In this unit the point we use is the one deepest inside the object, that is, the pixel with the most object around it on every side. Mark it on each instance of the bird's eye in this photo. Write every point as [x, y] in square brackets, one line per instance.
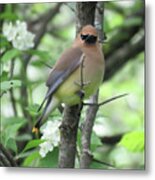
[83, 37]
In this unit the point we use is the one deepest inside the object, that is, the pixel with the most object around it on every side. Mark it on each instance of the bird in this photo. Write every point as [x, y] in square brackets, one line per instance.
[83, 61]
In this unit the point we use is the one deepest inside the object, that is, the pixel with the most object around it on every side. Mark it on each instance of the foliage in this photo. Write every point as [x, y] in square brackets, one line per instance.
[23, 74]
[133, 141]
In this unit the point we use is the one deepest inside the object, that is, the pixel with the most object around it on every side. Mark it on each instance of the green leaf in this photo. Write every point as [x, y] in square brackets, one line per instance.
[24, 137]
[3, 42]
[30, 161]
[51, 159]
[8, 16]
[96, 165]
[24, 155]
[11, 144]
[10, 54]
[32, 109]
[9, 136]
[6, 85]
[6, 122]
[4, 76]
[32, 144]
[133, 22]
[95, 141]
[44, 55]
[133, 141]
[9, 131]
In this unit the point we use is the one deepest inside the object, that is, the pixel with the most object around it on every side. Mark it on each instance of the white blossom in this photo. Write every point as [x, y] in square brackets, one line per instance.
[18, 34]
[51, 135]
[45, 147]
[21, 26]
[9, 31]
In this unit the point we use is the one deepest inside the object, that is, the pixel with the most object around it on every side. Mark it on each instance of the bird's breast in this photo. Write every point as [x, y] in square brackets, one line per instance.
[92, 75]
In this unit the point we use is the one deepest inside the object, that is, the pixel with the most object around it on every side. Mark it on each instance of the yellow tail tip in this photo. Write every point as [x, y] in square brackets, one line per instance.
[35, 130]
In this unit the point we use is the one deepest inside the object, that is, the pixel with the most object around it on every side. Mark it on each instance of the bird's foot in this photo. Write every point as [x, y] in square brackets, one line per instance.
[81, 93]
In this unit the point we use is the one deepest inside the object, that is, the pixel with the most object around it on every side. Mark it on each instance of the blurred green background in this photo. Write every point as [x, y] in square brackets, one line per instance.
[119, 130]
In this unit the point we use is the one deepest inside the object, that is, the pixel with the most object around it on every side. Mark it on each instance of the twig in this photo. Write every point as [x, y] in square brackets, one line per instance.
[11, 91]
[112, 99]
[1, 164]
[49, 16]
[86, 156]
[106, 101]
[8, 156]
[72, 9]
[102, 162]
[4, 161]
[13, 101]
[2, 93]
[47, 65]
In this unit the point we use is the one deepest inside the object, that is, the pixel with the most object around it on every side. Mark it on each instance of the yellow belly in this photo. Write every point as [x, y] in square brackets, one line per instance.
[68, 92]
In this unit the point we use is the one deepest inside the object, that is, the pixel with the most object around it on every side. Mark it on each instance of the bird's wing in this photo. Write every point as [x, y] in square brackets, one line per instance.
[69, 61]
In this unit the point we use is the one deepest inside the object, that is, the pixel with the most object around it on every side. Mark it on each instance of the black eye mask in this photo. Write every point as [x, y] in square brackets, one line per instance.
[89, 39]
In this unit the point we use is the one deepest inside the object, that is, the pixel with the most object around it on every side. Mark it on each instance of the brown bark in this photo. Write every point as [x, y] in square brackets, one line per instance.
[67, 152]
[68, 130]
[121, 56]
[86, 156]
[85, 14]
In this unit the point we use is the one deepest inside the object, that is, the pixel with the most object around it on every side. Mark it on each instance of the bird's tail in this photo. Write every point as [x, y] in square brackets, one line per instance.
[51, 104]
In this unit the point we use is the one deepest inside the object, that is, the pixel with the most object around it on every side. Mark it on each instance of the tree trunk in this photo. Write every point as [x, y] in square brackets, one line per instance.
[67, 152]
[86, 156]
[85, 14]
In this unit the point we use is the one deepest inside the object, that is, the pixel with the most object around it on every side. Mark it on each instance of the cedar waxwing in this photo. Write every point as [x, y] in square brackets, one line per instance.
[65, 78]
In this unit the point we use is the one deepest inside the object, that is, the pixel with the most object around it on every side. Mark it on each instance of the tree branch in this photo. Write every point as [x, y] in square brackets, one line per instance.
[68, 130]
[69, 127]
[11, 91]
[2, 93]
[55, 30]
[85, 14]
[120, 49]
[121, 56]
[70, 7]
[103, 163]
[125, 33]
[4, 162]
[47, 18]
[42, 30]
[6, 157]
[106, 101]
[86, 156]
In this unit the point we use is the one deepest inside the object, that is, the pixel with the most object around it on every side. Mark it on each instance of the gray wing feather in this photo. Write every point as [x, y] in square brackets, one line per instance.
[58, 77]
